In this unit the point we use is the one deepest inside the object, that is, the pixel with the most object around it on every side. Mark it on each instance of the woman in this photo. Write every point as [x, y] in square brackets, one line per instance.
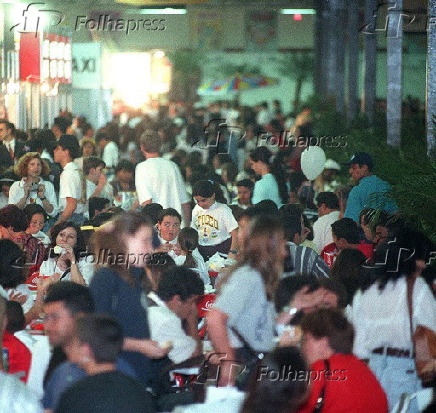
[12, 281]
[214, 221]
[242, 320]
[381, 319]
[32, 188]
[14, 223]
[66, 259]
[36, 217]
[272, 184]
[118, 288]
[88, 149]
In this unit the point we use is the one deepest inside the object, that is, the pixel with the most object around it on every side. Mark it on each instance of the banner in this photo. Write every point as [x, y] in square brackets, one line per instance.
[206, 29]
[261, 31]
[86, 65]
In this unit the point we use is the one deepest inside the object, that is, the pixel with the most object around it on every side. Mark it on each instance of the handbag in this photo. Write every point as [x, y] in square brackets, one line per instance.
[424, 343]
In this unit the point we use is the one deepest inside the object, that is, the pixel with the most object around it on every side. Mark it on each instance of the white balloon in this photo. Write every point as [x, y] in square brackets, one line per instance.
[312, 162]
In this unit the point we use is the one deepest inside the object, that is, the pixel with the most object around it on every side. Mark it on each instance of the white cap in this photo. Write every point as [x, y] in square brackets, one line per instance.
[331, 164]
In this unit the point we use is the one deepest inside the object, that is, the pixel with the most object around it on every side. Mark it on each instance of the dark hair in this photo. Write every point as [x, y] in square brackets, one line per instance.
[264, 155]
[291, 224]
[62, 123]
[100, 136]
[92, 162]
[289, 286]
[179, 281]
[204, 188]
[277, 386]
[330, 323]
[188, 241]
[104, 336]
[80, 242]
[12, 216]
[171, 212]
[248, 183]
[101, 218]
[349, 270]
[75, 297]
[12, 261]
[96, 203]
[232, 171]
[125, 165]
[15, 317]
[32, 209]
[337, 288]
[346, 228]
[152, 211]
[329, 199]
[390, 262]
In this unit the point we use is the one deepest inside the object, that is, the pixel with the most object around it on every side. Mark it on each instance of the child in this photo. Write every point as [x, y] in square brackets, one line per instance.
[189, 256]
[214, 221]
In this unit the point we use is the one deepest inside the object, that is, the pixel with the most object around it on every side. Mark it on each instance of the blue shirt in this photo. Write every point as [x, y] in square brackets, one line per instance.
[267, 188]
[361, 197]
[65, 375]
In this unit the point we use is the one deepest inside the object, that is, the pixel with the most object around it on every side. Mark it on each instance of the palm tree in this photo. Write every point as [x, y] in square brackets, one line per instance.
[298, 67]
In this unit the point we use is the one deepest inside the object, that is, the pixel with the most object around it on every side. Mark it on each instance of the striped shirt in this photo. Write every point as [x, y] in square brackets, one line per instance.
[304, 260]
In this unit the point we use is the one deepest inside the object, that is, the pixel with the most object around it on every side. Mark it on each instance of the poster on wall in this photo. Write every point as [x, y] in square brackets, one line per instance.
[261, 31]
[206, 29]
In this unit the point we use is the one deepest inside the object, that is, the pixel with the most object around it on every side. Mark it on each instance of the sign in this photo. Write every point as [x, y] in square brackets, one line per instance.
[29, 57]
[56, 58]
[86, 65]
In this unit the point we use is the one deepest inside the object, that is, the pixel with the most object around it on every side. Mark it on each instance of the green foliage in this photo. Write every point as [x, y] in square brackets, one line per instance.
[186, 61]
[227, 69]
[296, 66]
[411, 173]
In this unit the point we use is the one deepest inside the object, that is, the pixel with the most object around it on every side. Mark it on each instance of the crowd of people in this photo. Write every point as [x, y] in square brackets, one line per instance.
[110, 239]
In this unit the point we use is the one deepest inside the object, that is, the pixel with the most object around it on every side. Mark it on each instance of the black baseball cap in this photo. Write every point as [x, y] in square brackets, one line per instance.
[361, 158]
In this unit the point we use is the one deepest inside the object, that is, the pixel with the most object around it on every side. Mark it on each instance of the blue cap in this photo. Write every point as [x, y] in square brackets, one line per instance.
[361, 158]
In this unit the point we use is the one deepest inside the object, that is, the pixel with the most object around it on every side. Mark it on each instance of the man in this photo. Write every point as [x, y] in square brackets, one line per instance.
[345, 235]
[109, 150]
[245, 191]
[97, 344]
[345, 383]
[14, 148]
[328, 212]
[60, 126]
[72, 197]
[159, 180]
[172, 305]
[65, 302]
[96, 181]
[301, 259]
[364, 194]
[15, 397]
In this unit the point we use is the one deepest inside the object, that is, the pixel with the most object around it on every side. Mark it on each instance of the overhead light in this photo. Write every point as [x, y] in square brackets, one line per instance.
[159, 54]
[298, 11]
[167, 10]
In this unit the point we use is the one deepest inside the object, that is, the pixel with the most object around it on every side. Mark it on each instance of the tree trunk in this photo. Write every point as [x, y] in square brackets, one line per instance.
[370, 61]
[353, 58]
[321, 30]
[297, 94]
[339, 26]
[394, 73]
[431, 79]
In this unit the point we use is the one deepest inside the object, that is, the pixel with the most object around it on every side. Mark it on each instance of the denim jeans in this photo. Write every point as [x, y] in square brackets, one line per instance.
[396, 375]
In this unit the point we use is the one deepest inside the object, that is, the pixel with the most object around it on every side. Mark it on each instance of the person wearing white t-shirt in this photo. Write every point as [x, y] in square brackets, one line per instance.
[110, 152]
[214, 221]
[72, 199]
[96, 181]
[328, 213]
[159, 180]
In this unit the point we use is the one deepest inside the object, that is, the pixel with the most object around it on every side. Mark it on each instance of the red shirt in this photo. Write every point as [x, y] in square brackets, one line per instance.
[350, 387]
[19, 356]
[330, 252]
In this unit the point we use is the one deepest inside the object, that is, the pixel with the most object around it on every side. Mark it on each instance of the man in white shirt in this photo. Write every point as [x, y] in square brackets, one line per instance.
[175, 301]
[109, 150]
[159, 180]
[328, 213]
[72, 197]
